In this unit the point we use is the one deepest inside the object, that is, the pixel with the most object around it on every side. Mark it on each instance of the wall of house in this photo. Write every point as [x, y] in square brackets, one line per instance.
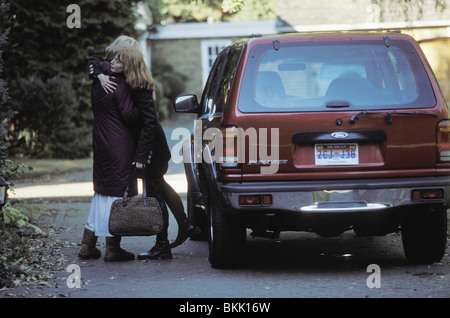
[313, 13]
[185, 56]
[437, 52]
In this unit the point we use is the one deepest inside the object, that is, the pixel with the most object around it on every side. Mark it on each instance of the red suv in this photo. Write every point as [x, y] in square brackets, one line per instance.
[321, 133]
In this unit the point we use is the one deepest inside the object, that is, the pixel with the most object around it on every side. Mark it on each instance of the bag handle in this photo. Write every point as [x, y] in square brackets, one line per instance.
[144, 186]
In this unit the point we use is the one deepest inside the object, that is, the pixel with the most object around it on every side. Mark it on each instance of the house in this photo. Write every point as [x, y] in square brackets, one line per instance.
[191, 48]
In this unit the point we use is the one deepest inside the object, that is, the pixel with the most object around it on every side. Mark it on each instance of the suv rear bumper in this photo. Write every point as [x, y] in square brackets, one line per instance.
[337, 196]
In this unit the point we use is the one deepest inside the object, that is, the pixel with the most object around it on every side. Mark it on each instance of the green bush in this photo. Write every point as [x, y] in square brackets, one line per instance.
[15, 233]
[162, 103]
[46, 124]
[169, 84]
[12, 249]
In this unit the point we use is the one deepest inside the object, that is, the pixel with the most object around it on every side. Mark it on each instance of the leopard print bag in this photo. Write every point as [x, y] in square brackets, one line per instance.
[136, 216]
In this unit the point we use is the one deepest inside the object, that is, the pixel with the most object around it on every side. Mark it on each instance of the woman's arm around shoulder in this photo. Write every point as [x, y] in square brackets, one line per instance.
[101, 69]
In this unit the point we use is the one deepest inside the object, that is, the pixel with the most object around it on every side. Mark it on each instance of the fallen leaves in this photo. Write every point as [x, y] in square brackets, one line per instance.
[45, 258]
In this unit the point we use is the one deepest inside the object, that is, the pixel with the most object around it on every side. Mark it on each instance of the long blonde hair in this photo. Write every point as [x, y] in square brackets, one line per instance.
[121, 41]
[136, 72]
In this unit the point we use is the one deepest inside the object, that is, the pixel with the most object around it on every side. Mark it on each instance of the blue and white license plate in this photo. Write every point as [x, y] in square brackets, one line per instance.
[336, 154]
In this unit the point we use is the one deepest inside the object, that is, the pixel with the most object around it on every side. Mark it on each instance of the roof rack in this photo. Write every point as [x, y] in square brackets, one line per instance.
[253, 35]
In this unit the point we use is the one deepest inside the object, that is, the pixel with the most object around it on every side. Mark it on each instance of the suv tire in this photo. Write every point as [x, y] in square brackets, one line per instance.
[227, 237]
[424, 235]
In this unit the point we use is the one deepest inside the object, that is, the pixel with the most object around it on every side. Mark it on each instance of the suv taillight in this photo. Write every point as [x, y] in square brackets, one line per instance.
[443, 141]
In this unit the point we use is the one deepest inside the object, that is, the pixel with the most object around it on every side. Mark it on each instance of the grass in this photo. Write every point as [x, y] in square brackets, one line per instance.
[46, 167]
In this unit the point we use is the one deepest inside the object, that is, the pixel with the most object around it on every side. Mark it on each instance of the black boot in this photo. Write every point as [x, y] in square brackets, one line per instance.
[161, 250]
[185, 229]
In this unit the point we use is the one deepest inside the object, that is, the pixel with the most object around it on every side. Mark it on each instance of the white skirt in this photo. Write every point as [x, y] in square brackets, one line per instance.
[98, 217]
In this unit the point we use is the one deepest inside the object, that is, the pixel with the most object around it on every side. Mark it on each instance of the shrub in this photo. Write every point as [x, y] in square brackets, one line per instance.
[15, 233]
[169, 84]
[45, 124]
[162, 103]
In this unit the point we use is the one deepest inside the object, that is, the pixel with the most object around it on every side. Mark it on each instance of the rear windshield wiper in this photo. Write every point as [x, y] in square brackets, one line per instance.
[337, 104]
[355, 117]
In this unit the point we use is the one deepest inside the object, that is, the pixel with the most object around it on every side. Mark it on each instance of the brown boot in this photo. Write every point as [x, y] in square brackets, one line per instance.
[113, 251]
[88, 249]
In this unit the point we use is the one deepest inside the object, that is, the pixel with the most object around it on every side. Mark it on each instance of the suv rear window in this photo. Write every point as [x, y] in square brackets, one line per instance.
[319, 76]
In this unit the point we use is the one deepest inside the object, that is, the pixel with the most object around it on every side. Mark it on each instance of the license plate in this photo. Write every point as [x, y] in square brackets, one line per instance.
[336, 154]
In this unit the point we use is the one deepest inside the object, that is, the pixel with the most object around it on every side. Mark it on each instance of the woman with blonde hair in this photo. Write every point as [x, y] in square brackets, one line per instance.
[122, 41]
[107, 81]
[152, 151]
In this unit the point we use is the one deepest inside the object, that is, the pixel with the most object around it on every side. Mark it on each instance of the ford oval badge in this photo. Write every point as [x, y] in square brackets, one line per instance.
[339, 135]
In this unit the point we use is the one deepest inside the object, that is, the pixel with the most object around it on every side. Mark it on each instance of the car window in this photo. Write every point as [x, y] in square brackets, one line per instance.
[209, 92]
[218, 86]
[227, 79]
[310, 76]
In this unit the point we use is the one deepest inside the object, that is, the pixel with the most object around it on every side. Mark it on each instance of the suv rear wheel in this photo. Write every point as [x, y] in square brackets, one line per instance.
[227, 237]
[424, 235]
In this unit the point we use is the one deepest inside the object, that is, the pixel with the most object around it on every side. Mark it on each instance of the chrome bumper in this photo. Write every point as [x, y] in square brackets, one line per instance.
[337, 196]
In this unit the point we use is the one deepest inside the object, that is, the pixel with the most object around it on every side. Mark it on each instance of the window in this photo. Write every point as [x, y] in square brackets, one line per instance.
[210, 49]
[208, 98]
[227, 79]
[310, 76]
[217, 89]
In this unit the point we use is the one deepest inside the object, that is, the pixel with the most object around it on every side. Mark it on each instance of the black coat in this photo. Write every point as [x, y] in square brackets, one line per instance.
[152, 137]
[115, 128]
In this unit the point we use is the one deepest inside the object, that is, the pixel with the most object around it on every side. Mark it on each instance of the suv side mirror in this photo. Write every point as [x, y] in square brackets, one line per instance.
[186, 104]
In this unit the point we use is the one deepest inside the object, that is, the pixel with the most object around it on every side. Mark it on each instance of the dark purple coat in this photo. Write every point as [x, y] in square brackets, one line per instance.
[114, 137]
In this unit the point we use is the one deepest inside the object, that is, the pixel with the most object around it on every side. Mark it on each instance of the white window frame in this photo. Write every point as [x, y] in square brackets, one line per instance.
[209, 51]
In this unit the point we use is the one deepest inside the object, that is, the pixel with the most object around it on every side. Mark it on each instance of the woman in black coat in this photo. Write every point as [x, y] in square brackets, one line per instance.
[152, 150]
